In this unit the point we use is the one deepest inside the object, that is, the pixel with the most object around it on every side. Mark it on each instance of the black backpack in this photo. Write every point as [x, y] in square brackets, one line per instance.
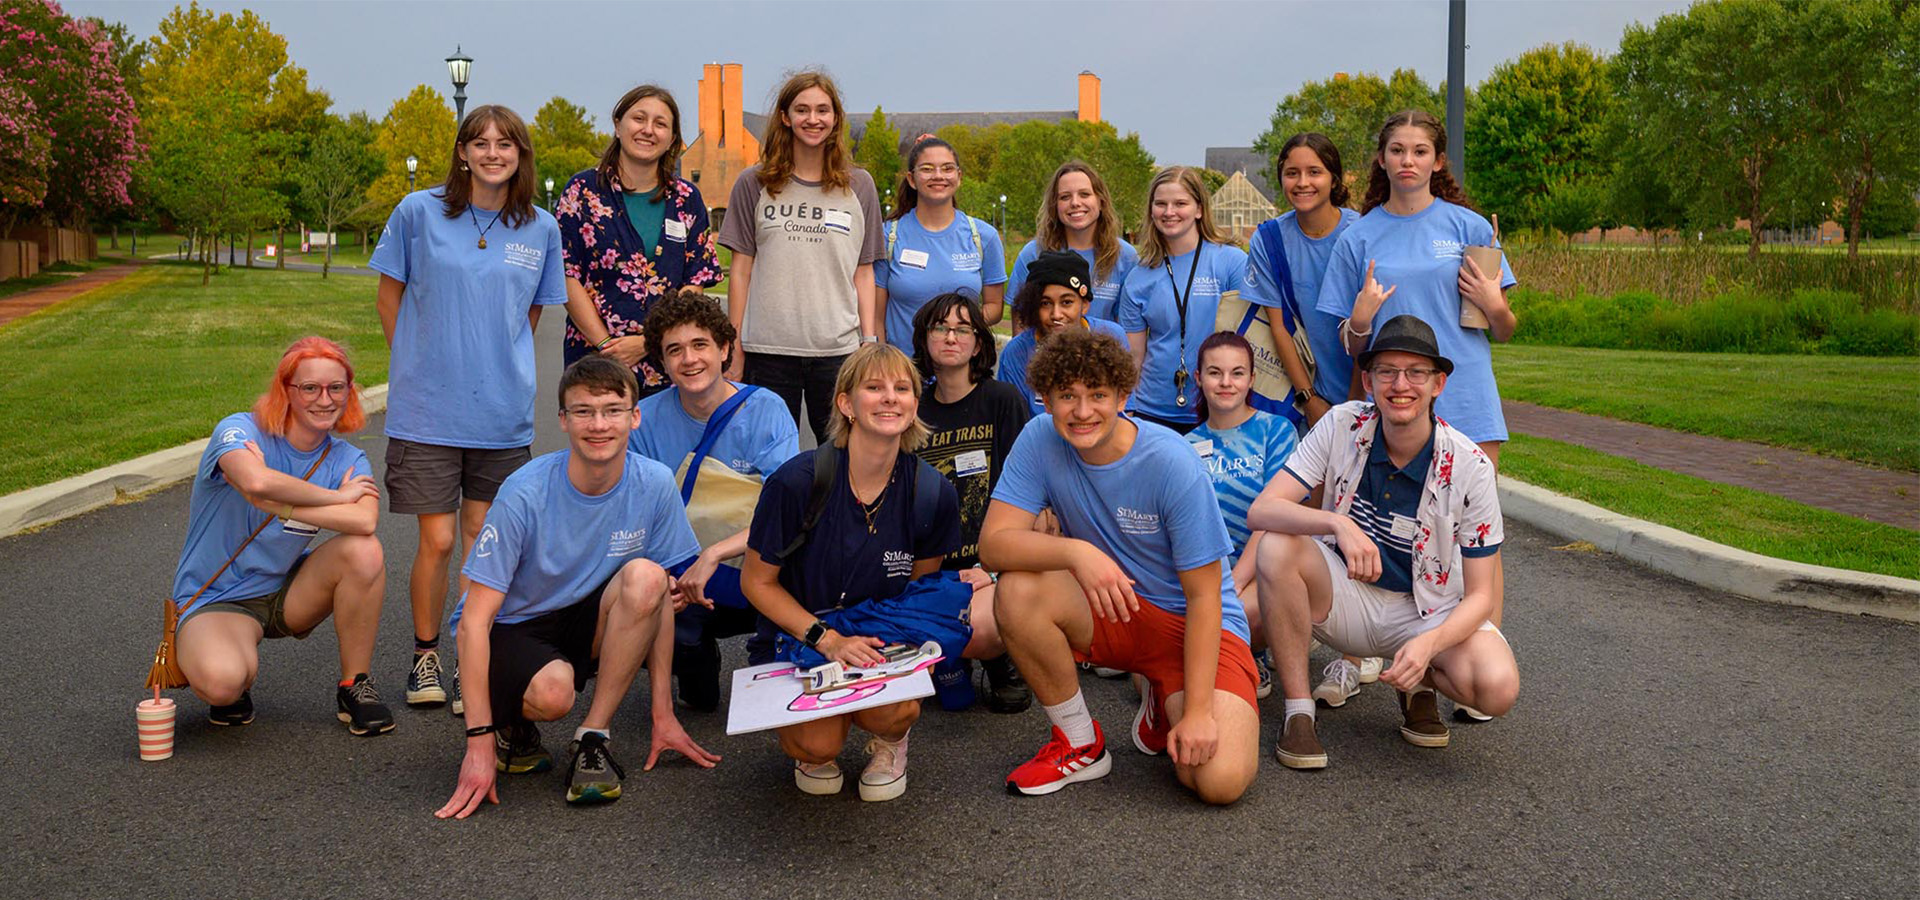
[826, 468]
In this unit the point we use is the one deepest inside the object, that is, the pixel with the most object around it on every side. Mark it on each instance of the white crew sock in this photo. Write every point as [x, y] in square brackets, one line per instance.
[581, 732]
[1294, 707]
[1073, 720]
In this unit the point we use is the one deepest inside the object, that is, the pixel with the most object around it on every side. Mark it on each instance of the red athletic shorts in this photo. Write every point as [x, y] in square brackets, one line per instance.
[1153, 645]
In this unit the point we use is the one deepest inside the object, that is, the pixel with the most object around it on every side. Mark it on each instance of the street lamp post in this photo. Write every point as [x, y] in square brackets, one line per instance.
[413, 165]
[549, 195]
[1003, 213]
[458, 65]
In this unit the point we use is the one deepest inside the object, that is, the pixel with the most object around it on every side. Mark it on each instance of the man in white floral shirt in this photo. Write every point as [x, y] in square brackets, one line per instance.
[1403, 564]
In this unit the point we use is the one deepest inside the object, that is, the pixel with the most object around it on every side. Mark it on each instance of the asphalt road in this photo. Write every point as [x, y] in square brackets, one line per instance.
[1669, 742]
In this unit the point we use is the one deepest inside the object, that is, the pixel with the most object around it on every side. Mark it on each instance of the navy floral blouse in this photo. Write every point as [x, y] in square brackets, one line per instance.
[603, 252]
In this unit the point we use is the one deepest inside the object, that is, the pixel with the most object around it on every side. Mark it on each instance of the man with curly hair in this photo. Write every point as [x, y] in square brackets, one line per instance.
[1144, 526]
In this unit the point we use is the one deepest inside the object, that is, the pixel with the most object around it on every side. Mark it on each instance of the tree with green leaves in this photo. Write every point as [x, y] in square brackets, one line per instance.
[879, 151]
[421, 125]
[1540, 123]
[1017, 161]
[564, 142]
[1570, 205]
[1860, 66]
[203, 168]
[1348, 110]
[339, 165]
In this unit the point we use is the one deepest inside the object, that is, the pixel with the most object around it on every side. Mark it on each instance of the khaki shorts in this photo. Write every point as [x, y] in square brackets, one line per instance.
[270, 610]
[423, 479]
[1369, 621]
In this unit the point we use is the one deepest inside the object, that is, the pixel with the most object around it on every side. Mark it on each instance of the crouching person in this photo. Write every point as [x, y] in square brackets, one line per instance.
[1410, 571]
[1142, 585]
[571, 578]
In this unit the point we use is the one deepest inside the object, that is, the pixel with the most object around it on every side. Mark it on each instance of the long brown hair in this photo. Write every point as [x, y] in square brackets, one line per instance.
[1323, 147]
[457, 192]
[776, 142]
[1052, 233]
[905, 195]
[1153, 250]
[1379, 186]
[669, 163]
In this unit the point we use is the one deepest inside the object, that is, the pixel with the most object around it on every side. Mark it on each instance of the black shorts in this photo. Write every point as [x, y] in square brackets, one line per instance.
[518, 651]
[423, 479]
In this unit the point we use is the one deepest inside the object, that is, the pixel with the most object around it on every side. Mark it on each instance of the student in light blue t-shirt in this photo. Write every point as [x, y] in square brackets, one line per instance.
[268, 481]
[1170, 300]
[1077, 214]
[753, 436]
[932, 247]
[1287, 258]
[1053, 299]
[1137, 580]
[571, 578]
[465, 268]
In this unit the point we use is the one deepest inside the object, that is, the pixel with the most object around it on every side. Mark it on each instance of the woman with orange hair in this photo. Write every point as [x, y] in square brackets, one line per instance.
[269, 480]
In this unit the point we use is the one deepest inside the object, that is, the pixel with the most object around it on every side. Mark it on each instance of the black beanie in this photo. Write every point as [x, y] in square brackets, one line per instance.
[1064, 268]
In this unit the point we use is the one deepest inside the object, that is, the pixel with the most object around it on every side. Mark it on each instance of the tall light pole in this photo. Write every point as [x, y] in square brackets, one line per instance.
[1457, 89]
[549, 195]
[1003, 213]
[458, 65]
[413, 165]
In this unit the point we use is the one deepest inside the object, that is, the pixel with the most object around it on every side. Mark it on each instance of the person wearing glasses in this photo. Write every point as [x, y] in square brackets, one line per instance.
[572, 577]
[1400, 558]
[932, 247]
[280, 473]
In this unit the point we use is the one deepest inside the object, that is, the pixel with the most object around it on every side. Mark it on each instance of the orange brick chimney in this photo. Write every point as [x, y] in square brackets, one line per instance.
[724, 147]
[1089, 97]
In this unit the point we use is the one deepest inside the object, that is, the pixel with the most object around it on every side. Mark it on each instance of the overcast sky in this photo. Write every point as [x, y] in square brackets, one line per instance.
[1185, 74]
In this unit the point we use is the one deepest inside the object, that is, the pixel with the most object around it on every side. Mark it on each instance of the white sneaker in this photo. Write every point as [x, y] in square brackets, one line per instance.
[1370, 668]
[1465, 713]
[1338, 681]
[1104, 672]
[819, 780]
[886, 774]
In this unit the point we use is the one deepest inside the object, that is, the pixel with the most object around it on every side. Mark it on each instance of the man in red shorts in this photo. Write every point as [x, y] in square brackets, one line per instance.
[1142, 584]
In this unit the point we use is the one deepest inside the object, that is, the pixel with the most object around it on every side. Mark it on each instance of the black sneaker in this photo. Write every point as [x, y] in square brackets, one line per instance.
[1006, 691]
[516, 749]
[239, 712]
[594, 776]
[361, 709]
[697, 668]
[455, 703]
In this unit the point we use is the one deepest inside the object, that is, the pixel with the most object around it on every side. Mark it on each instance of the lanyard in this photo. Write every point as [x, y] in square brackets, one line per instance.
[1180, 303]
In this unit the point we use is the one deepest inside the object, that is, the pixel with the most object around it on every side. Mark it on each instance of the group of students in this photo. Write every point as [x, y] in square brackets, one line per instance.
[1031, 508]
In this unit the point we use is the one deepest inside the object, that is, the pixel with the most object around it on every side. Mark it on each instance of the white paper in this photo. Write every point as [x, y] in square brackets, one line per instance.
[769, 696]
[914, 258]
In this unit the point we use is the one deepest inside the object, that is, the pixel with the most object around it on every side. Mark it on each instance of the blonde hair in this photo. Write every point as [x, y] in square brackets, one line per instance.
[1052, 233]
[1153, 249]
[862, 364]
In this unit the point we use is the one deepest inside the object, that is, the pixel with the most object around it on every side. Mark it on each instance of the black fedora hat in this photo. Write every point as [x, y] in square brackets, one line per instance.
[1407, 334]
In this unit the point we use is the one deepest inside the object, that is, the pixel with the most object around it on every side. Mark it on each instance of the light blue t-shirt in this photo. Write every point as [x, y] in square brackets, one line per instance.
[1018, 352]
[756, 441]
[1419, 256]
[1307, 261]
[1106, 291]
[462, 370]
[1241, 460]
[546, 545]
[1147, 304]
[219, 518]
[925, 264]
[1152, 511]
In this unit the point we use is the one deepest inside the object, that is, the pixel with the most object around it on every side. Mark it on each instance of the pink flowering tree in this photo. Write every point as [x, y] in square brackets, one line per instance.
[25, 156]
[65, 69]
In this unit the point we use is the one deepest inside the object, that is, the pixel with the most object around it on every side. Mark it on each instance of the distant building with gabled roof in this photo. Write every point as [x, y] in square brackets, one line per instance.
[1239, 208]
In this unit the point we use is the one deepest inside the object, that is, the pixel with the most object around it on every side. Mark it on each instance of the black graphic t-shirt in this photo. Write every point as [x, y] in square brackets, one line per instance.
[971, 438]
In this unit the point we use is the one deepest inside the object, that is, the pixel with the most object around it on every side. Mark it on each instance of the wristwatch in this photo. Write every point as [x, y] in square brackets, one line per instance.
[869, 339]
[814, 633]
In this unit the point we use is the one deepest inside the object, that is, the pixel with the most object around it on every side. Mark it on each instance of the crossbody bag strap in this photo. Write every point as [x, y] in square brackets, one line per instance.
[256, 533]
[716, 423]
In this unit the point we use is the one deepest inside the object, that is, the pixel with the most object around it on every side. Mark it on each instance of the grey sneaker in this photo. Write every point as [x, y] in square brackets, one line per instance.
[1263, 666]
[594, 776]
[1338, 681]
[516, 749]
[423, 682]
[886, 774]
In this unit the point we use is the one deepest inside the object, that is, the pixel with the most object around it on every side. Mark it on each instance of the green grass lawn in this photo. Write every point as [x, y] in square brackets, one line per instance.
[154, 359]
[55, 274]
[1858, 408]
[1735, 516]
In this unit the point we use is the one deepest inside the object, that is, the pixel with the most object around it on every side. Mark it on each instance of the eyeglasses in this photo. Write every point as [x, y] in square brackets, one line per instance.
[588, 413]
[930, 171]
[310, 390]
[1415, 377]
[949, 331]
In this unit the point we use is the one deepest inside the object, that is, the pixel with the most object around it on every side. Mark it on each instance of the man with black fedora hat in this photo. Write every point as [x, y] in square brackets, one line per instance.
[1398, 561]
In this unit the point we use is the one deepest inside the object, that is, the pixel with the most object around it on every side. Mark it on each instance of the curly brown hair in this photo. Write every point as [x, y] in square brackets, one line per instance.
[1379, 187]
[1094, 360]
[688, 306]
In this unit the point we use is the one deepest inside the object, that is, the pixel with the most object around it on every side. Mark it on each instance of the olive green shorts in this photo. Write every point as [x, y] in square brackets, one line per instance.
[269, 610]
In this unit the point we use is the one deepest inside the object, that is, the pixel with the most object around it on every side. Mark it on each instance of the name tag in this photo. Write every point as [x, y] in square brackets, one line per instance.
[298, 528]
[1404, 528]
[972, 462]
[916, 259]
[839, 219]
[1204, 448]
[674, 229]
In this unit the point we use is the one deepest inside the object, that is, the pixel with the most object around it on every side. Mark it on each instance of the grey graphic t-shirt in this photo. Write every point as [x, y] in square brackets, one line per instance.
[806, 243]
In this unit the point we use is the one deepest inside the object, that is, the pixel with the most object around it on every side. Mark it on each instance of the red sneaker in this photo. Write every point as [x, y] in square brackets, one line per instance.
[1059, 764]
[1150, 724]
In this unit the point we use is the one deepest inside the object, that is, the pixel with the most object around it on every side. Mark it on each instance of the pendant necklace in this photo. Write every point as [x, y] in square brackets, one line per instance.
[869, 511]
[483, 231]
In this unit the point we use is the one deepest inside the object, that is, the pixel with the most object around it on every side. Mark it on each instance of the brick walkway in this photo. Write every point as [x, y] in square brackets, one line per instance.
[35, 299]
[1879, 495]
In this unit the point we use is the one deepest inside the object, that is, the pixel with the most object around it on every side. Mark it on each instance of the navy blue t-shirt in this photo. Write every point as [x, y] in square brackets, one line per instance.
[1386, 505]
[842, 563]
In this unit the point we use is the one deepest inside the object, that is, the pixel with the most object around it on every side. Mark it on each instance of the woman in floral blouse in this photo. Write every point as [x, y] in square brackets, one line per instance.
[632, 233]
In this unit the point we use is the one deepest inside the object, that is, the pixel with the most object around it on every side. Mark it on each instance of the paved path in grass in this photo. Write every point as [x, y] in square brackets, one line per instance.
[33, 300]
[1855, 489]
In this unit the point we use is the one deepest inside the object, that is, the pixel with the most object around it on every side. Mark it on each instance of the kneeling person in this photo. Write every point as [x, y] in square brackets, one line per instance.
[569, 579]
[1141, 507]
[1415, 520]
[269, 480]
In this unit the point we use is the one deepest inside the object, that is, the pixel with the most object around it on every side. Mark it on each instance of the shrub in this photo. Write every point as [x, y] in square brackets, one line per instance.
[1741, 321]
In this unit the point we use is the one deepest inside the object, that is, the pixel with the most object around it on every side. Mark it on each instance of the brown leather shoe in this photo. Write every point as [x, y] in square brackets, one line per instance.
[1299, 747]
[1423, 727]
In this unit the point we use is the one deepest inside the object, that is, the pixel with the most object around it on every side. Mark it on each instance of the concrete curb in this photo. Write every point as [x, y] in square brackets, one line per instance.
[67, 497]
[1709, 564]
